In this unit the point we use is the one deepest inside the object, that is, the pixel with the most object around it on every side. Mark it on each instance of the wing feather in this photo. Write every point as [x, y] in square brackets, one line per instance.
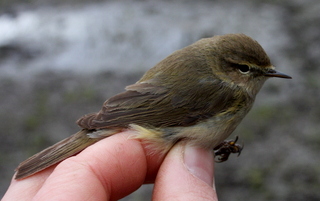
[158, 106]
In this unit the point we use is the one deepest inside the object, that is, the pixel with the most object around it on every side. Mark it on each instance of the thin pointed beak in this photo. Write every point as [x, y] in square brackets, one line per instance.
[274, 73]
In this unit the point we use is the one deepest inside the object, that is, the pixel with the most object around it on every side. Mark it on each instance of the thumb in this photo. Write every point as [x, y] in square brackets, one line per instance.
[186, 174]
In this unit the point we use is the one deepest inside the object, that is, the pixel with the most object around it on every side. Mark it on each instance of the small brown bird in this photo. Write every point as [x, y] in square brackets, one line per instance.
[199, 93]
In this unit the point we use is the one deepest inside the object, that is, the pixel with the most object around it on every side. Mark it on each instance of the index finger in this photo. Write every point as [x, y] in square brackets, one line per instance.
[108, 170]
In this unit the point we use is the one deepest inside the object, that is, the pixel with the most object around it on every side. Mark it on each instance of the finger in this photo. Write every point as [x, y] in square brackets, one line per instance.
[27, 188]
[186, 174]
[109, 170]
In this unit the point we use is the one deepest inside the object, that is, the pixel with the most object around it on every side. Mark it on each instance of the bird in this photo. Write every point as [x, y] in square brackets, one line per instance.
[198, 94]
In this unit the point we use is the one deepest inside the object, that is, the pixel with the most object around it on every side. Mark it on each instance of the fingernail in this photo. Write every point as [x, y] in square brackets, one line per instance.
[199, 162]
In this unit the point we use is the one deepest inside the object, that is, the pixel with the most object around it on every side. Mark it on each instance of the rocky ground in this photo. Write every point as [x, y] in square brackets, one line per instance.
[64, 59]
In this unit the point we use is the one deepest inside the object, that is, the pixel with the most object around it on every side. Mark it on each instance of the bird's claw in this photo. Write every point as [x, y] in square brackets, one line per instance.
[225, 148]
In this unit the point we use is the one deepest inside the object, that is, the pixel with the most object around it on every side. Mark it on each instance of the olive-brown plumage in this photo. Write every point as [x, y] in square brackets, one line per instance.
[199, 93]
[160, 93]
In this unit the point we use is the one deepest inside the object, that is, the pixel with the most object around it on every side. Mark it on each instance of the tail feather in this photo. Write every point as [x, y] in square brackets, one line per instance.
[54, 154]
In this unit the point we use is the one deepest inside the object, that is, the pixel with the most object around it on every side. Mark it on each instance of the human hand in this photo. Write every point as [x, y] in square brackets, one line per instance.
[117, 166]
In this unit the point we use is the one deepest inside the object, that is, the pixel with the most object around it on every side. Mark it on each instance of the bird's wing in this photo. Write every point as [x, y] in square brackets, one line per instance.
[148, 103]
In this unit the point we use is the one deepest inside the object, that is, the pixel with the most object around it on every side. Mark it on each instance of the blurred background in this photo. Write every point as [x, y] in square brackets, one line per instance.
[62, 59]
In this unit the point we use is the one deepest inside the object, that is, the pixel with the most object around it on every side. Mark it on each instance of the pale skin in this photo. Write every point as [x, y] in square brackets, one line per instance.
[123, 165]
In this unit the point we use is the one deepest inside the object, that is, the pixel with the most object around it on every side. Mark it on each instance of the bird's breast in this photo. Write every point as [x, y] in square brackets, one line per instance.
[210, 132]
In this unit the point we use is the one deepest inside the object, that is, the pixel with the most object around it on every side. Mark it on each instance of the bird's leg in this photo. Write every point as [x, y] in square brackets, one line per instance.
[225, 148]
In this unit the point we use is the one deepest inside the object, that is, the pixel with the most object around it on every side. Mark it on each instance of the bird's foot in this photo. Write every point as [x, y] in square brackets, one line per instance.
[225, 148]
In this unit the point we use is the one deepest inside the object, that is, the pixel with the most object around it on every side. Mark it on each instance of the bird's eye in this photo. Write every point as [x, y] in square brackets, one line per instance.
[244, 69]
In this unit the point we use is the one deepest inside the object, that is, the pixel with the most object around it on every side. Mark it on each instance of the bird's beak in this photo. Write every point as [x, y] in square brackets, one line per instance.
[274, 73]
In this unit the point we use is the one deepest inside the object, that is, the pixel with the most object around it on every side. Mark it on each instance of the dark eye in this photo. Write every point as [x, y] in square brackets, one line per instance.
[244, 69]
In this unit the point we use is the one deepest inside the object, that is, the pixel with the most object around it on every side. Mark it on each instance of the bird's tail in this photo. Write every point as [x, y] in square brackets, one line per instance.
[54, 154]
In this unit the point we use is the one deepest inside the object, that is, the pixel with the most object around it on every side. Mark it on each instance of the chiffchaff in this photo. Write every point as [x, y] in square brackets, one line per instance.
[199, 93]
